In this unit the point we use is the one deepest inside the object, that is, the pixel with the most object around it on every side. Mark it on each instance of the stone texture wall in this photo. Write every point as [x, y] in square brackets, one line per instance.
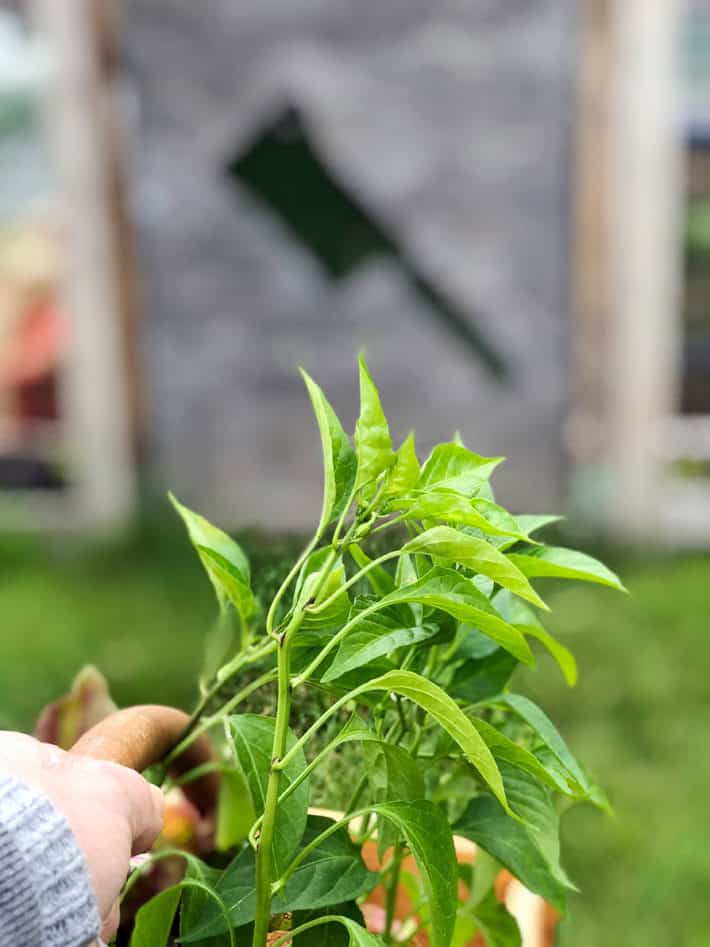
[453, 122]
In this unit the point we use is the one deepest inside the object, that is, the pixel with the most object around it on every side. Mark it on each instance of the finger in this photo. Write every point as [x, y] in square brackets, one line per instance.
[140, 803]
[139, 736]
[110, 923]
[135, 737]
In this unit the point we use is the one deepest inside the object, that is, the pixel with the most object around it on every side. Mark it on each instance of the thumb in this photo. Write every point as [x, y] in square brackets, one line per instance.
[140, 803]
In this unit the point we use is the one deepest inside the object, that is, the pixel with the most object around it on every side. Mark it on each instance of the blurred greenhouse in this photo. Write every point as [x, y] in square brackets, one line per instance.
[193, 279]
[505, 205]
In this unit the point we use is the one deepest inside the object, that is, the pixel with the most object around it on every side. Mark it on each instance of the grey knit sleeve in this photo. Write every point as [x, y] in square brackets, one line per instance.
[46, 898]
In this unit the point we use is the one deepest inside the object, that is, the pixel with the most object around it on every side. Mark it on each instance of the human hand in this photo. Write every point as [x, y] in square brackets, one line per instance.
[113, 812]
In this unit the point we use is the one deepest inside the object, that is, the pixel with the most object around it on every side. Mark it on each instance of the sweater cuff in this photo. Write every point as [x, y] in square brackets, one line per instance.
[46, 898]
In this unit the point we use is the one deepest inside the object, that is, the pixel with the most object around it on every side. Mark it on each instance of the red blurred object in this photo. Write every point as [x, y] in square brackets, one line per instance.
[37, 348]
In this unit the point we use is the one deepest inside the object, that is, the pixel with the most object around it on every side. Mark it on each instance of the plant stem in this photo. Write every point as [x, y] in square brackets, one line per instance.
[250, 656]
[431, 661]
[318, 840]
[264, 859]
[395, 521]
[192, 774]
[206, 723]
[303, 775]
[326, 715]
[287, 581]
[332, 643]
[210, 892]
[451, 650]
[357, 792]
[264, 853]
[151, 859]
[289, 935]
[402, 718]
[315, 609]
[307, 849]
[227, 673]
[343, 516]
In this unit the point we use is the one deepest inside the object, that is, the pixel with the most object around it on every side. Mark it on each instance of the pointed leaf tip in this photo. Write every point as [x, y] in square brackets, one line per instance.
[339, 460]
[373, 443]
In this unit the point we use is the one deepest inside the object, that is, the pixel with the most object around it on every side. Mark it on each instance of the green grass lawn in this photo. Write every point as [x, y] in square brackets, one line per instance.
[640, 719]
[640, 716]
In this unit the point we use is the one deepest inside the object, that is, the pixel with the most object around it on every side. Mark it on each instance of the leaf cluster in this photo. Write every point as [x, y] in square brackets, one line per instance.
[411, 652]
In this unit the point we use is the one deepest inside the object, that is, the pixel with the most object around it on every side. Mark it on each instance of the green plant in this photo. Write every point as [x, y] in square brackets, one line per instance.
[416, 645]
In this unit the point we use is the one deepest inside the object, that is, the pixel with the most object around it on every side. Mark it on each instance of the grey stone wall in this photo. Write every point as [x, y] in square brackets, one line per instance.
[452, 121]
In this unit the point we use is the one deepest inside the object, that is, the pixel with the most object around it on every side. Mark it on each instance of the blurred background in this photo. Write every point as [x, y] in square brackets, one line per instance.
[505, 204]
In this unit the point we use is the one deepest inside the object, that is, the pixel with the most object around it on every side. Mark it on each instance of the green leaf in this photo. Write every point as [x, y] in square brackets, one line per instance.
[480, 679]
[406, 573]
[235, 885]
[200, 895]
[449, 545]
[373, 444]
[423, 692]
[428, 835]
[334, 872]
[557, 562]
[546, 731]
[359, 936]
[456, 508]
[154, 920]
[458, 596]
[379, 578]
[453, 467]
[203, 533]
[394, 774]
[518, 614]
[564, 657]
[532, 801]
[531, 522]
[223, 559]
[376, 636]
[464, 930]
[472, 643]
[339, 460]
[224, 577]
[333, 933]
[355, 730]
[485, 823]
[485, 491]
[253, 738]
[506, 750]
[308, 580]
[403, 476]
[235, 812]
[499, 927]
[394, 777]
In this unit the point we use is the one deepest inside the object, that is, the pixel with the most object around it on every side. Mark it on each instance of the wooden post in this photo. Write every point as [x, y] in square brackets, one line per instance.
[96, 403]
[586, 430]
[645, 208]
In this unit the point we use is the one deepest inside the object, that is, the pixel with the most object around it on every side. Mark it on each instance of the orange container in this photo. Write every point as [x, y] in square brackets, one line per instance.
[536, 919]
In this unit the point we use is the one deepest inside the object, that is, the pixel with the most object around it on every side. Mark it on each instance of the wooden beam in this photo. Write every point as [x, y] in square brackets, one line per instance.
[586, 431]
[646, 186]
[95, 385]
